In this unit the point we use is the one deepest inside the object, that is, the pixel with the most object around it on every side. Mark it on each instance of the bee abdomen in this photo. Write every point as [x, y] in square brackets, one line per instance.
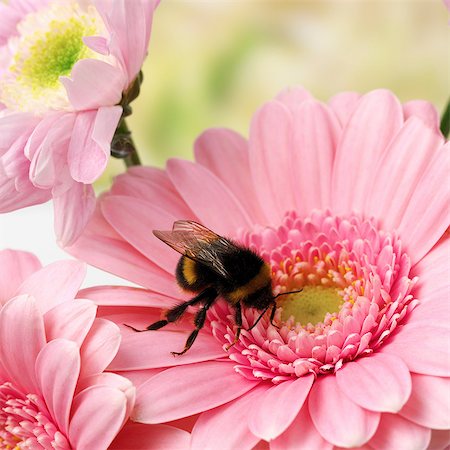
[193, 276]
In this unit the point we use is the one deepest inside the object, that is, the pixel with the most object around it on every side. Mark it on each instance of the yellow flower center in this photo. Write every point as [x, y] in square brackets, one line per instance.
[311, 305]
[49, 43]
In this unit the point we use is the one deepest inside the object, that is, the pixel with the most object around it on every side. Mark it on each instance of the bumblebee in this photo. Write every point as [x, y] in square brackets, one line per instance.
[212, 266]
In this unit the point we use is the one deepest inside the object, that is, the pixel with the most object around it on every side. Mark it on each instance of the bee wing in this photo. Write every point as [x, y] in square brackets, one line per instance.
[194, 241]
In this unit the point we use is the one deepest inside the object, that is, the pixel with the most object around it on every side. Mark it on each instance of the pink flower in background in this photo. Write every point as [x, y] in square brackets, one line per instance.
[54, 390]
[346, 200]
[66, 68]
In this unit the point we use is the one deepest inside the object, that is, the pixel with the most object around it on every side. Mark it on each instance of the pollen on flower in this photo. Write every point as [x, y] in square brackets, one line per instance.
[49, 44]
[355, 290]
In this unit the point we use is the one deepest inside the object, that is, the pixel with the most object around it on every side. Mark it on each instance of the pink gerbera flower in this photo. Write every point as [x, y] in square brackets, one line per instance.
[54, 390]
[67, 73]
[346, 201]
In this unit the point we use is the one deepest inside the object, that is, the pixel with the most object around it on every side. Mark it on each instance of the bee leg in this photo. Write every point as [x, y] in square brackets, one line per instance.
[272, 315]
[177, 311]
[238, 320]
[199, 321]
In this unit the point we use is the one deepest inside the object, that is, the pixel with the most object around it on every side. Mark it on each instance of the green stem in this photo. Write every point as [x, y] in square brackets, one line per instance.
[123, 146]
[445, 121]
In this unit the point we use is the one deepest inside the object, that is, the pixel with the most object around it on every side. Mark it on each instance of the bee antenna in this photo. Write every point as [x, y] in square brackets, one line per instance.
[259, 318]
[286, 293]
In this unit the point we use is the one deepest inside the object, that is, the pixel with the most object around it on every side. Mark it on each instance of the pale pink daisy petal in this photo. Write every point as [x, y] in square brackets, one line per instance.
[301, 435]
[57, 381]
[374, 122]
[262, 423]
[429, 404]
[99, 347]
[218, 428]
[70, 321]
[16, 266]
[108, 419]
[153, 349]
[365, 245]
[55, 283]
[397, 432]
[353, 426]
[88, 151]
[380, 383]
[423, 109]
[125, 296]
[225, 153]
[343, 105]
[421, 347]
[186, 390]
[207, 204]
[22, 337]
[270, 129]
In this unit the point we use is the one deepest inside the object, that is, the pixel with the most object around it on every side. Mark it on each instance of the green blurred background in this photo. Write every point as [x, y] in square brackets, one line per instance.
[213, 63]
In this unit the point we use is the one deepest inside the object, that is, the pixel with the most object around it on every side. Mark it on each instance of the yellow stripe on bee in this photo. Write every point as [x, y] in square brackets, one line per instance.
[189, 272]
[255, 284]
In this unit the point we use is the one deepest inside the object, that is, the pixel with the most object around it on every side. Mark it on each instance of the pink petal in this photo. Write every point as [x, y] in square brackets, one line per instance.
[396, 432]
[275, 410]
[301, 435]
[292, 97]
[73, 209]
[90, 142]
[421, 347]
[100, 405]
[225, 427]
[128, 44]
[379, 382]
[14, 125]
[271, 159]
[431, 311]
[187, 390]
[87, 87]
[209, 204]
[22, 336]
[125, 296]
[225, 153]
[429, 404]
[315, 134]
[138, 436]
[70, 320]
[433, 271]
[57, 370]
[54, 284]
[114, 255]
[97, 43]
[16, 266]
[152, 349]
[376, 119]
[337, 418]
[154, 186]
[111, 380]
[423, 109]
[99, 347]
[407, 157]
[427, 215]
[138, 232]
[343, 105]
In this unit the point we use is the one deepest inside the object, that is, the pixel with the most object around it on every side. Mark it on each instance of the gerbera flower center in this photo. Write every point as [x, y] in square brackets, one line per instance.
[49, 43]
[311, 305]
[355, 290]
[25, 421]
